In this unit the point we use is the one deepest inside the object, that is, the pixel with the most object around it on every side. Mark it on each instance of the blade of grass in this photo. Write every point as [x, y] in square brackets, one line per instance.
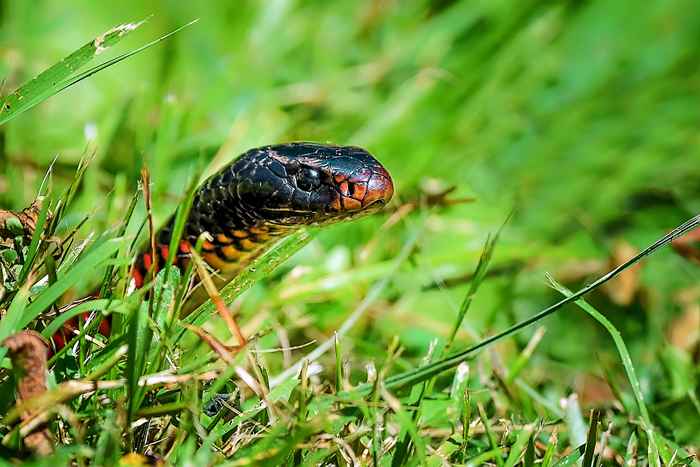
[518, 448]
[477, 278]
[78, 272]
[338, 363]
[619, 343]
[183, 212]
[96, 69]
[106, 281]
[591, 439]
[428, 371]
[549, 452]
[529, 459]
[65, 201]
[489, 435]
[626, 362]
[8, 325]
[34, 244]
[51, 81]
[57, 323]
[214, 296]
[138, 338]
[372, 295]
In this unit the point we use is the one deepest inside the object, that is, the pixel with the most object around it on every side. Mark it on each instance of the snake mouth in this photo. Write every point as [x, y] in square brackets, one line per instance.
[364, 192]
[380, 190]
[377, 204]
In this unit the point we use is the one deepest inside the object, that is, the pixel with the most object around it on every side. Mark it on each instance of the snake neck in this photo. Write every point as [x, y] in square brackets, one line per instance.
[231, 249]
[226, 248]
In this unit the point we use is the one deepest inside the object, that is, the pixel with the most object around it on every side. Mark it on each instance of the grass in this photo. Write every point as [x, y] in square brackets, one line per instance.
[578, 117]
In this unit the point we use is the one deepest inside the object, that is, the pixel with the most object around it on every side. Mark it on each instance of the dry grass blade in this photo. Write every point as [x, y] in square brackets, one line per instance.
[212, 342]
[221, 307]
[67, 390]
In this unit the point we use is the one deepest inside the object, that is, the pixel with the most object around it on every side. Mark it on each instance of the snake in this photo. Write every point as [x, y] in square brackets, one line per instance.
[265, 194]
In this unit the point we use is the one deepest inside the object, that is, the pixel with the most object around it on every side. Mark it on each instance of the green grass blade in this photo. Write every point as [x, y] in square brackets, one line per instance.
[84, 268]
[57, 323]
[588, 455]
[493, 443]
[428, 371]
[8, 325]
[138, 338]
[477, 278]
[529, 459]
[518, 448]
[34, 244]
[626, 362]
[183, 212]
[619, 343]
[97, 68]
[52, 80]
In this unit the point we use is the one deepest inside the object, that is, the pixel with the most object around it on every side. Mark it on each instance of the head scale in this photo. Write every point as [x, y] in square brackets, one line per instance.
[307, 184]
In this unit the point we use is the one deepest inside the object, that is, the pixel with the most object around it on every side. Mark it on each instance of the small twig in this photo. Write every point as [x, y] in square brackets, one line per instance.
[73, 388]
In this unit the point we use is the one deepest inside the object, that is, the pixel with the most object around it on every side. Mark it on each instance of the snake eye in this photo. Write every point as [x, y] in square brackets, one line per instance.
[308, 179]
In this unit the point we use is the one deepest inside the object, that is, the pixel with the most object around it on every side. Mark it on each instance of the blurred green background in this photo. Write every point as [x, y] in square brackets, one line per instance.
[580, 115]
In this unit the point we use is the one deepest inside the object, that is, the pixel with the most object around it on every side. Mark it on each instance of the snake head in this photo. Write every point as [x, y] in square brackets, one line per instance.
[310, 184]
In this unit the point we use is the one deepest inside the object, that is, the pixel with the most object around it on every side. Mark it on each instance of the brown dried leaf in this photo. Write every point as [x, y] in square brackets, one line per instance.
[28, 351]
[594, 391]
[684, 331]
[688, 246]
[623, 289]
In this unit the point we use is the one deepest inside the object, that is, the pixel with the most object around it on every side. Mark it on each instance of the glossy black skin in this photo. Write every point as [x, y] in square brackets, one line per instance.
[283, 187]
[287, 186]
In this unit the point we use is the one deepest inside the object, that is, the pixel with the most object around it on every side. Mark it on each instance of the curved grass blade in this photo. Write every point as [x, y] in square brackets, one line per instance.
[626, 362]
[52, 80]
[619, 343]
[428, 371]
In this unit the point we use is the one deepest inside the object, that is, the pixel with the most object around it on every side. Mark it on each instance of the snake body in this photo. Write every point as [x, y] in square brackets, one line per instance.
[269, 192]
[263, 195]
